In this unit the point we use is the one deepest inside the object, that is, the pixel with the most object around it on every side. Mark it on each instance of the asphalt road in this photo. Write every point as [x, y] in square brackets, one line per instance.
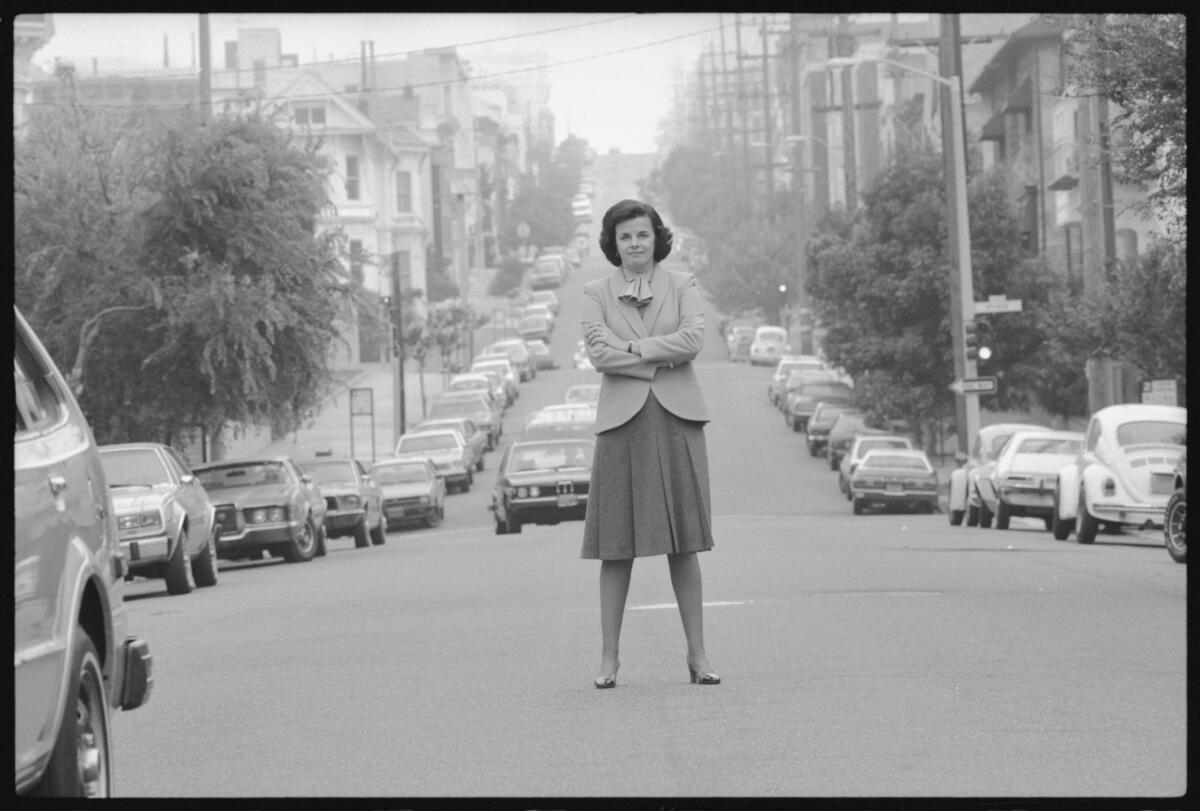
[876, 655]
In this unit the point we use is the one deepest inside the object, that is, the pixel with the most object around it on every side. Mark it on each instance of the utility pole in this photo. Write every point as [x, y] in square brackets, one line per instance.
[726, 99]
[743, 118]
[850, 169]
[768, 153]
[205, 71]
[962, 304]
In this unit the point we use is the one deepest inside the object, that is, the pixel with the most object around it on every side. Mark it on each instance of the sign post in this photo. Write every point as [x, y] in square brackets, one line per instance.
[974, 385]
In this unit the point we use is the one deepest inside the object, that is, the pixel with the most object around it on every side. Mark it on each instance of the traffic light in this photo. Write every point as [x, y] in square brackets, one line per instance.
[976, 339]
[971, 339]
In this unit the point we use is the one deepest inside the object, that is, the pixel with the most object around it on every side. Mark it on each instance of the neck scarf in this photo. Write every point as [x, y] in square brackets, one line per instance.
[637, 289]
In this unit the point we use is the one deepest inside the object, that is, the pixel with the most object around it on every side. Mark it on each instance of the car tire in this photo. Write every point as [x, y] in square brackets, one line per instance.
[1175, 526]
[812, 449]
[1060, 529]
[1086, 524]
[304, 548]
[322, 537]
[362, 536]
[379, 532]
[84, 732]
[465, 487]
[858, 506]
[1048, 521]
[179, 568]
[435, 517]
[479, 463]
[833, 462]
[501, 529]
[512, 526]
[972, 515]
[204, 567]
[470, 479]
[956, 518]
[985, 515]
[1002, 515]
[794, 424]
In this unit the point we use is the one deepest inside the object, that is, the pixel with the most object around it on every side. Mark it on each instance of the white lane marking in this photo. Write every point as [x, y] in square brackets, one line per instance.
[653, 606]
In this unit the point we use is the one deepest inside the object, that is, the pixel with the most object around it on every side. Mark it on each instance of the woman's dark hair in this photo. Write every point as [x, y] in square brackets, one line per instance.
[627, 210]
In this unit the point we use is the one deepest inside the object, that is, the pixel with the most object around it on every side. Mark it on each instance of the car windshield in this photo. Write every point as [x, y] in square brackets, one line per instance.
[1151, 433]
[583, 394]
[457, 408]
[802, 377]
[789, 366]
[877, 444]
[895, 460]
[133, 468]
[771, 334]
[415, 443]
[248, 474]
[1057, 445]
[467, 385]
[399, 474]
[329, 472]
[551, 457]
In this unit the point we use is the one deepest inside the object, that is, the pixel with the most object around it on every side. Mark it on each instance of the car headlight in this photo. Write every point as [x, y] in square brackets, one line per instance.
[522, 492]
[424, 501]
[535, 491]
[150, 518]
[1109, 486]
[266, 515]
[352, 500]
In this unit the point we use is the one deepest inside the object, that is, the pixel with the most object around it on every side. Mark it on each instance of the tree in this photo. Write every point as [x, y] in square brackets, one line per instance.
[880, 285]
[1139, 61]
[189, 255]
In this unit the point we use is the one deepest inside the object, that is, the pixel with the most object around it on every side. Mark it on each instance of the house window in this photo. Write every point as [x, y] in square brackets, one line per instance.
[356, 260]
[309, 115]
[1029, 220]
[404, 201]
[352, 179]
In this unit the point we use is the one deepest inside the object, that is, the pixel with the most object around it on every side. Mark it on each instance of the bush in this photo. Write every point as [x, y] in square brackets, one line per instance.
[508, 278]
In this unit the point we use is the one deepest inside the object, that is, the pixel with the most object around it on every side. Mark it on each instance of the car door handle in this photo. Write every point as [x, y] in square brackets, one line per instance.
[57, 483]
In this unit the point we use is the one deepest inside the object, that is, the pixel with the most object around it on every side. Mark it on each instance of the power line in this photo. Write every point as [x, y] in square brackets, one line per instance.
[435, 83]
[353, 59]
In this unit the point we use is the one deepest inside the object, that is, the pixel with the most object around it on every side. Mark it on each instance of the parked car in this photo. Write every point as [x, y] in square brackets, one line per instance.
[582, 361]
[786, 365]
[800, 377]
[504, 366]
[534, 327]
[167, 522]
[894, 478]
[1125, 473]
[412, 491]
[547, 297]
[846, 426]
[561, 421]
[816, 433]
[75, 661]
[985, 445]
[449, 454]
[858, 449]
[266, 505]
[473, 436]
[737, 334]
[518, 354]
[583, 393]
[1175, 515]
[477, 382]
[1020, 480]
[353, 503]
[476, 408]
[802, 401]
[768, 346]
[548, 272]
[539, 355]
[542, 482]
[542, 310]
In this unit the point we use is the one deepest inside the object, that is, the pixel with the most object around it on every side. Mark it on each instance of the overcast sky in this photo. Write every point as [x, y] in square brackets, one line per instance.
[613, 100]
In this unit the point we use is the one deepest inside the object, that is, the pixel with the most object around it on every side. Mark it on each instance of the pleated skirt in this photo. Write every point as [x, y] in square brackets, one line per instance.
[649, 490]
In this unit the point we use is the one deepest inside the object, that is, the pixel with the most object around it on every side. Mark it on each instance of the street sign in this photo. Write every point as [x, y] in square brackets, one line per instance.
[998, 304]
[974, 385]
[1160, 392]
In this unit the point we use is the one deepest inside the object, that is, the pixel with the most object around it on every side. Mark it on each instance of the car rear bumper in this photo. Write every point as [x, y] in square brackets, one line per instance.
[257, 537]
[341, 522]
[1140, 515]
[891, 497]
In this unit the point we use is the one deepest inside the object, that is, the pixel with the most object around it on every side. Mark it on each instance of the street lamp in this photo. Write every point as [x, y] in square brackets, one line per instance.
[962, 238]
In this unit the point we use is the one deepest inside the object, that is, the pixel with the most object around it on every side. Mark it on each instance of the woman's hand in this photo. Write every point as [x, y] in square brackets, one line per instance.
[597, 335]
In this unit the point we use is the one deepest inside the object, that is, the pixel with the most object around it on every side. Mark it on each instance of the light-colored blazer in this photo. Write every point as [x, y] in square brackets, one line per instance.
[669, 337]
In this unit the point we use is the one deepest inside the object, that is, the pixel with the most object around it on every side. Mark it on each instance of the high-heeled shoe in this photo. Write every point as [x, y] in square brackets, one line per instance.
[700, 677]
[607, 682]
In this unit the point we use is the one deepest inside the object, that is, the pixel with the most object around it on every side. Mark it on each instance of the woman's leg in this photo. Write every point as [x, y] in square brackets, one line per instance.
[685, 579]
[614, 588]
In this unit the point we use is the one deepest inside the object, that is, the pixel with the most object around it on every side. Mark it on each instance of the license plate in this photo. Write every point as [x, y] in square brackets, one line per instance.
[895, 487]
[1162, 484]
[568, 500]
[395, 512]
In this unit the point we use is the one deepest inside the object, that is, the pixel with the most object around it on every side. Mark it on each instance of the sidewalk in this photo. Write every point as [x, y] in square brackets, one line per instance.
[336, 431]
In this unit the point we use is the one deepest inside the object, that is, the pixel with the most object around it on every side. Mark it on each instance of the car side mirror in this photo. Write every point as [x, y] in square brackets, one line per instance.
[187, 478]
[306, 479]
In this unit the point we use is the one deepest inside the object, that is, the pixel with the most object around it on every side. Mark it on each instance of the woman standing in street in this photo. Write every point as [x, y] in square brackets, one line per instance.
[643, 326]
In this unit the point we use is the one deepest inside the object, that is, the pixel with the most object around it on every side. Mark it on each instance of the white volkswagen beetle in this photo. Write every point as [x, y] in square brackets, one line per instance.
[1125, 473]
[985, 445]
